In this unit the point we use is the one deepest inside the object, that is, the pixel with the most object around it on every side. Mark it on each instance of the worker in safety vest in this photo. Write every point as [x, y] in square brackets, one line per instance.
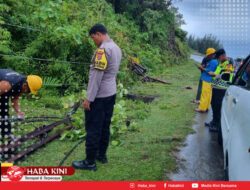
[219, 87]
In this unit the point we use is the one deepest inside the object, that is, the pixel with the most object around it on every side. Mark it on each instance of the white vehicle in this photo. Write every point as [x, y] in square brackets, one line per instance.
[235, 126]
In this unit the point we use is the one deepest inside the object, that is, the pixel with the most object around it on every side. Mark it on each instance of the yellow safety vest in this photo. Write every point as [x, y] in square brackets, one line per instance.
[224, 67]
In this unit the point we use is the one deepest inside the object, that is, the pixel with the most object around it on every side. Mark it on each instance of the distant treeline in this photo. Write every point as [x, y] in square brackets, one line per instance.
[201, 44]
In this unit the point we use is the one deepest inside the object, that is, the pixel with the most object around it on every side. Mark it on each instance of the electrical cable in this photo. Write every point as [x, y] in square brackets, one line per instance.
[70, 152]
[42, 59]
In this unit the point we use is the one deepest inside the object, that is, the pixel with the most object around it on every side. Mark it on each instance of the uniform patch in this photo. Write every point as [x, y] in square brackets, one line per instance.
[101, 62]
[229, 68]
[220, 83]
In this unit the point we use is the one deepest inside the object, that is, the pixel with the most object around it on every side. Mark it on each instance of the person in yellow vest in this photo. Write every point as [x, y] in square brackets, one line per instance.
[219, 87]
[206, 92]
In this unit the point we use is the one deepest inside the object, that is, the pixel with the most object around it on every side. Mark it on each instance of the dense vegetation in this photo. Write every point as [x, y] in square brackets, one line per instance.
[145, 155]
[58, 31]
[201, 44]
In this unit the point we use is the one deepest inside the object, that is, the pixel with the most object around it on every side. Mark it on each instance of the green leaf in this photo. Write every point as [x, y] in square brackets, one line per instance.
[122, 103]
[63, 135]
[111, 131]
[82, 136]
[71, 136]
[114, 143]
[77, 132]
[124, 128]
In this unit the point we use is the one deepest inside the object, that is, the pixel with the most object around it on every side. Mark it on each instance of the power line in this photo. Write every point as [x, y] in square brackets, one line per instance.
[36, 59]
[30, 58]
[19, 26]
[41, 59]
[63, 85]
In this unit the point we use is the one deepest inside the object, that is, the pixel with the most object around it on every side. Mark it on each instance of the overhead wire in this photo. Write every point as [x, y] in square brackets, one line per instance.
[20, 26]
[42, 59]
[31, 58]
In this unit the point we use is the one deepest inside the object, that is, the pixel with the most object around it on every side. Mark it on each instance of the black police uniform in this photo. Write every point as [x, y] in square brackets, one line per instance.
[97, 122]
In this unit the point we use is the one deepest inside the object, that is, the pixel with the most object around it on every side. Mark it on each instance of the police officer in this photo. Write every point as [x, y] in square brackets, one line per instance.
[100, 100]
[12, 85]
[219, 87]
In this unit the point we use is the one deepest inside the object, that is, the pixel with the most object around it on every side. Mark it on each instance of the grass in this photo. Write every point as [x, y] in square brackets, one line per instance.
[145, 155]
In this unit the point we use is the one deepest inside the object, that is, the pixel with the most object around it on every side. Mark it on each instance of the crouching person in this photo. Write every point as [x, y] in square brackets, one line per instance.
[12, 86]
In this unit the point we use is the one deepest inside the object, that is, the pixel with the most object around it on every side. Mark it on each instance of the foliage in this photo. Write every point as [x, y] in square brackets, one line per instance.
[121, 90]
[145, 155]
[154, 17]
[118, 121]
[49, 81]
[58, 31]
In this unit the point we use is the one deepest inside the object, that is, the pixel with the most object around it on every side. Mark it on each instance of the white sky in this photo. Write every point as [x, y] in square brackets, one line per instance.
[229, 20]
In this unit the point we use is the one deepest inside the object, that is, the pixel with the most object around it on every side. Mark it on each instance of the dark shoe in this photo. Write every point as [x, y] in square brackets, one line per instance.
[102, 159]
[200, 111]
[195, 101]
[213, 128]
[84, 165]
[208, 124]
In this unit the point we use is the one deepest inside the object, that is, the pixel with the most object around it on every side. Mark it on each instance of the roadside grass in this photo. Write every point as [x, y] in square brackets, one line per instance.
[147, 155]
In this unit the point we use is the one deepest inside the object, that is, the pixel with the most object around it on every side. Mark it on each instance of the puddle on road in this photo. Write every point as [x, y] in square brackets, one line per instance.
[202, 158]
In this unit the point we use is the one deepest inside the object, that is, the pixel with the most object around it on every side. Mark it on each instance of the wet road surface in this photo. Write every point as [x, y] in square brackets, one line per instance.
[202, 157]
[196, 58]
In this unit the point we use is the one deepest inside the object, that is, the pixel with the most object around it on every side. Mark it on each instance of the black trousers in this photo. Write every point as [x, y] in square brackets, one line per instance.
[217, 97]
[4, 113]
[198, 96]
[97, 125]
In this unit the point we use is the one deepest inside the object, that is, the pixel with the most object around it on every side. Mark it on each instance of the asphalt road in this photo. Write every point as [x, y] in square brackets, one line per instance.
[202, 158]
